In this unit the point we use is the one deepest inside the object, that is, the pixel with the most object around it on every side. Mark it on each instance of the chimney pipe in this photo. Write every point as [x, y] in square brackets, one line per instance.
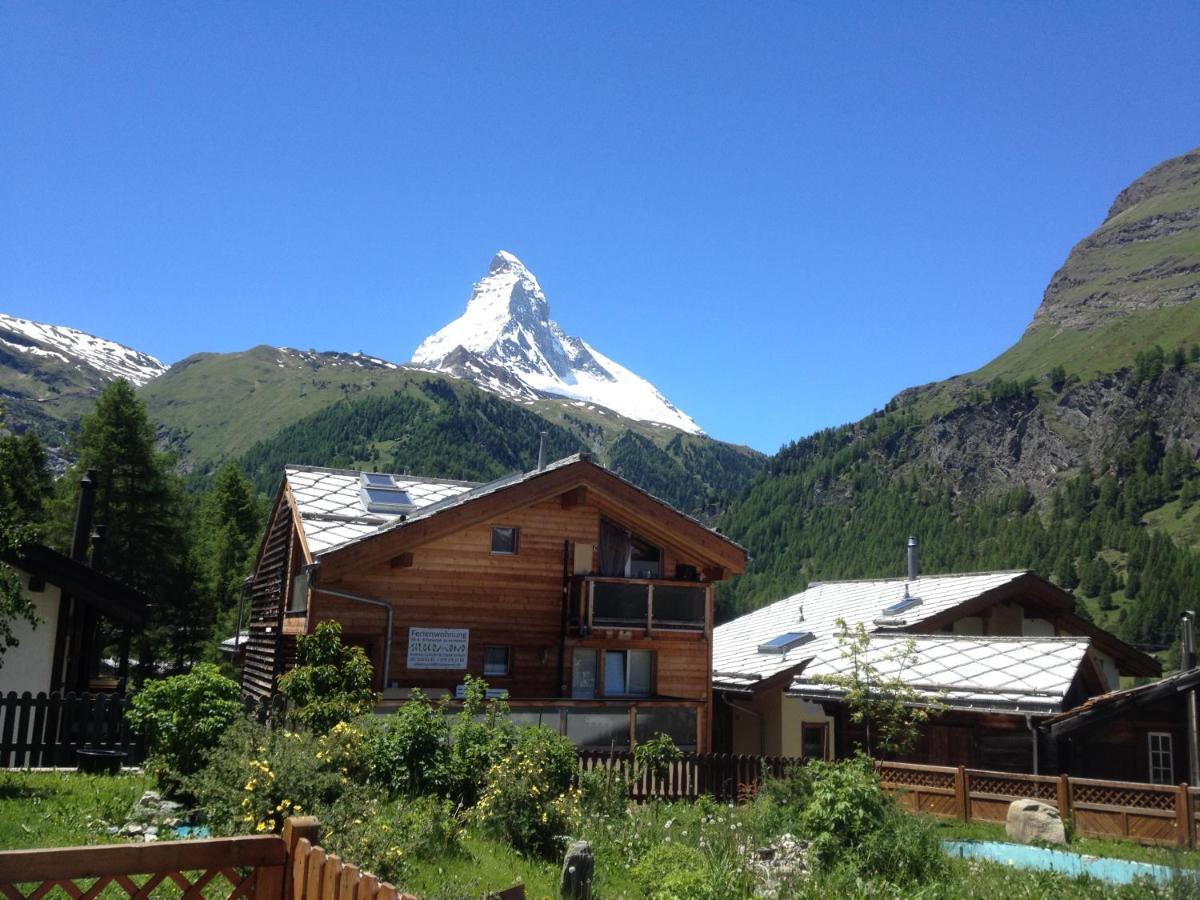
[83, 515]
[99, 538]
[912, 557]
[541, 450]
[1188, 648]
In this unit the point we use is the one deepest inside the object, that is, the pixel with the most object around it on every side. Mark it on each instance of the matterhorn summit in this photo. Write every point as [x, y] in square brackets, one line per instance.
[506, 342]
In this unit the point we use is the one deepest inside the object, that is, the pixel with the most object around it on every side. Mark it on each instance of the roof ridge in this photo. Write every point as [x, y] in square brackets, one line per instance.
[901, 578]
[989, 638]
[424, 479]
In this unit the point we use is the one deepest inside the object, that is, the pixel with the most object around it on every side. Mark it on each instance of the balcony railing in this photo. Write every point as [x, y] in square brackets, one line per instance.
[650, 604]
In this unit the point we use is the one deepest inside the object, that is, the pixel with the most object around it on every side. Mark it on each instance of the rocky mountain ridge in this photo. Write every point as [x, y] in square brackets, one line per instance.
[505, 342]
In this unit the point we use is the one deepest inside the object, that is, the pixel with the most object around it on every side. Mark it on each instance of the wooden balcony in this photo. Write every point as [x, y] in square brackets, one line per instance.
[646, 604]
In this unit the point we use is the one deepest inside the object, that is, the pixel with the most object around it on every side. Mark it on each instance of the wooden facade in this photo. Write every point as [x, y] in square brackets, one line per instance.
[531, 617]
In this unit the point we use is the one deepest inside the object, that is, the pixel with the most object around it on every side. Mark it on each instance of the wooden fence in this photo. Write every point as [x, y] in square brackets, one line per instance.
[724, 776]
[46, 730]
[1149, 813]
[272, 867]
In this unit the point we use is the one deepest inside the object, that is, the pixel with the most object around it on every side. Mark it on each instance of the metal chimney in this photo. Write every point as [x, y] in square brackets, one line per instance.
[1188, 648]
[912, 558]
[541, 450]
[99, 538]
[83, 515]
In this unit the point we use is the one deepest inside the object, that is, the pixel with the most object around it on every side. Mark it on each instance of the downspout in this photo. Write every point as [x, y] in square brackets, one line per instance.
[1033, 734]
[371, 601]
[762, 722]
[1188, 646]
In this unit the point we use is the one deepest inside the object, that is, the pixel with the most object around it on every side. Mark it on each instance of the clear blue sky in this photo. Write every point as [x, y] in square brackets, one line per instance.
[781, 214]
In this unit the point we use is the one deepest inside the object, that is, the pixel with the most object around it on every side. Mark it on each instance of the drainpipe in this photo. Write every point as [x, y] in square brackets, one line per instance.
[762, 723]
[1034, 737]
[372, 601]
[1188, 641]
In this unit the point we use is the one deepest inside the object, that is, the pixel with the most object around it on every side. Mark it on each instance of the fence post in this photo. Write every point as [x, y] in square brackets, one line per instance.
[960, 793]
[1064, 796]
[295, 828]
[1183, 817]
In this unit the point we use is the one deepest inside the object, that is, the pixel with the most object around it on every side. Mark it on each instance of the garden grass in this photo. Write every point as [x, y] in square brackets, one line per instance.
[63, 809]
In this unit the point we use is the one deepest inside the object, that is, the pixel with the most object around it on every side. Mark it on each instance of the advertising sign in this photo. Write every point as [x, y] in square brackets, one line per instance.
[437, 648]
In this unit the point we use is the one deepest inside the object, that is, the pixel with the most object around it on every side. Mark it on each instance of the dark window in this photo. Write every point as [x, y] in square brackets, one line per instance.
[504, 540]
[813, 740]
[495, 660]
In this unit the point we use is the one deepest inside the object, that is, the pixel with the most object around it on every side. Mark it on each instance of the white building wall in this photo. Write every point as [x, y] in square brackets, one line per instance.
[26, 667]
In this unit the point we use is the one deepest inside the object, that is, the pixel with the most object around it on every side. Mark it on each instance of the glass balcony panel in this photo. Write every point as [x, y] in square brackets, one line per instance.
[679, 607]
[677, 723]
[623, 604]
[599, 729]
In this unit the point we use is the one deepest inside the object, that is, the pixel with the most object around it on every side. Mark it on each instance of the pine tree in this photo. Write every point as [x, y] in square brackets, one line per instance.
[146, 513]
[228, 524]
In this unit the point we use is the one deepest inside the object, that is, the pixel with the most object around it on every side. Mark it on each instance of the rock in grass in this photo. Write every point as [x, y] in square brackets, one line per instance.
[1032, 821]
[579, 865]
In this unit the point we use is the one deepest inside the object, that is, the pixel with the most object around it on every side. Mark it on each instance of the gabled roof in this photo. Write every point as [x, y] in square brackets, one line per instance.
[95, 589]
[334, 519]
[998, 674]
[331, 510]
[737, 662]
[1105, 707]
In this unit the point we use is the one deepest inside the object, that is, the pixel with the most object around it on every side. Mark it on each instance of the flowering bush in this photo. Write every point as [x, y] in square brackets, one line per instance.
[259, 776]
[387, 838]
[182, 718]
[529, 800]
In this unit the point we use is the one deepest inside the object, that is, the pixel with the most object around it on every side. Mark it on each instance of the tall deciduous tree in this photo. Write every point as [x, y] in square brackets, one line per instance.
[142, 504]
[24, 486]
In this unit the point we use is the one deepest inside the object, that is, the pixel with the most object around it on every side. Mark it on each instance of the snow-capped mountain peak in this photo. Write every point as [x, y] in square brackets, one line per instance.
[506, 342]
[58, 343]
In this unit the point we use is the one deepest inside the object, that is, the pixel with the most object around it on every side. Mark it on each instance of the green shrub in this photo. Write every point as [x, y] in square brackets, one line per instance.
[904, 850]
[182, 718]
[331, 684]
[480, 736]
[386, 839]
[673, 872]
[405, 753]
[529, 801]
[604, 792]
[846, 806]
[656, 756]
[258, 776]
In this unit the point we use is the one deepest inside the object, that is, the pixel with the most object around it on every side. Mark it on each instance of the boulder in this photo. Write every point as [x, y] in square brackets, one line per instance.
[1032, 821]
[579, 865]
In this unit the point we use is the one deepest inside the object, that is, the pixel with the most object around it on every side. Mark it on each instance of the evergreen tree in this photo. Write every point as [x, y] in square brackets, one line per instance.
[227, 531]
[146, 513]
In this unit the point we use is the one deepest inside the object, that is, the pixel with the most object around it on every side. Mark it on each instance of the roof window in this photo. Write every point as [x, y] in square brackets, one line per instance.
[785, 642]
[380, 494]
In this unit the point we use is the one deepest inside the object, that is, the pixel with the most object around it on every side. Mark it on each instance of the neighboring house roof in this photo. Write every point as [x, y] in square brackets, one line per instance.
[334, 518]
[106, 595]
[1105, 707]
[331, 509]
[996, 674]
[738, 663]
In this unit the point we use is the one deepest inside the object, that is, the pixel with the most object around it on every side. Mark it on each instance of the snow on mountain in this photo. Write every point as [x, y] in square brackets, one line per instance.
[76, 348]
[507, 343]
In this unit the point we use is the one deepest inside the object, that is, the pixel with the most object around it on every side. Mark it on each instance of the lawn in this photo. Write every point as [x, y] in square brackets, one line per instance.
[40, 809]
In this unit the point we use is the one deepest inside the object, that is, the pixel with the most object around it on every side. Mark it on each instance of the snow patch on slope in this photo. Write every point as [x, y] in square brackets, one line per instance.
[506, 342]
[111, 359]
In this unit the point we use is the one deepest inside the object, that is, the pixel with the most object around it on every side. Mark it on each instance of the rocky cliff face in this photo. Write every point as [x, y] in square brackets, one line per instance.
[1146, 254]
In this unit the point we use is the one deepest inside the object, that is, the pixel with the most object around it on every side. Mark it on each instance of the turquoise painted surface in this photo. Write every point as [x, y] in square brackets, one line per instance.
[1114, 871]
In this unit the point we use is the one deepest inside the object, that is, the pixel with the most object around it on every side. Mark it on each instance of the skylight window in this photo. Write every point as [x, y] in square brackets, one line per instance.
[785, 642]
[379, 494]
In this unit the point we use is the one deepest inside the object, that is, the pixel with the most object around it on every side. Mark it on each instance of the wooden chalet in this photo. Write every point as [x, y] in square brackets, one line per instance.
[1000, 651]
[583, 598]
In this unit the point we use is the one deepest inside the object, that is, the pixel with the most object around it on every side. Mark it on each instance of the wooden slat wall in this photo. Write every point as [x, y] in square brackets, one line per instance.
[268, 593]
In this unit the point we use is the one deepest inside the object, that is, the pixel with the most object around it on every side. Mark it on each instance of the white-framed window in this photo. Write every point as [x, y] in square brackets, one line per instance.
[495, 661]
[1162, 757]
[628, 673]
[504, 540]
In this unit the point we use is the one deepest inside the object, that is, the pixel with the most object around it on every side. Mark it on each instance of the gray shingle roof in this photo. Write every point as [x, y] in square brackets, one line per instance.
[1012, 674]
[331, 508]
